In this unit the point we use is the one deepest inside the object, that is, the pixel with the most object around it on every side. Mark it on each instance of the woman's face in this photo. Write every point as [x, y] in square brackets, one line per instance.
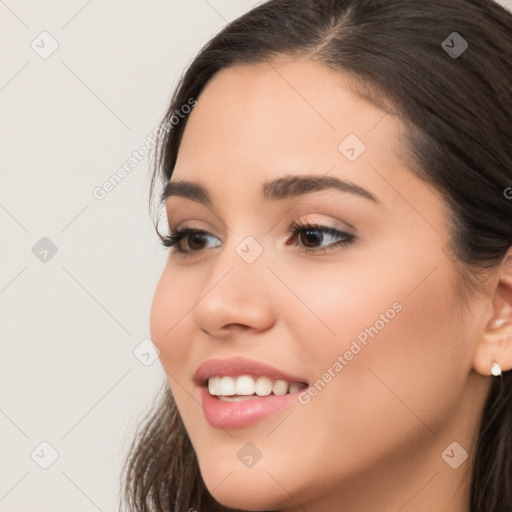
[368, 319]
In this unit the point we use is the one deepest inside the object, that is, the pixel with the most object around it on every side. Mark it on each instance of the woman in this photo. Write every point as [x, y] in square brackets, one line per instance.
[335, 316]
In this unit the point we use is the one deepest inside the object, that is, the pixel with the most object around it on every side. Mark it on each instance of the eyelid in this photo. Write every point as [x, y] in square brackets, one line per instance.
[323, 219]
[188, 224]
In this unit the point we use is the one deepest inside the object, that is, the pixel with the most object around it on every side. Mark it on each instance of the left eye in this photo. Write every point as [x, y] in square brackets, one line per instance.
[313, 233]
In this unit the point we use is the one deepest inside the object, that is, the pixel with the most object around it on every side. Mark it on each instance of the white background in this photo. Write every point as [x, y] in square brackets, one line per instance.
[69, 326]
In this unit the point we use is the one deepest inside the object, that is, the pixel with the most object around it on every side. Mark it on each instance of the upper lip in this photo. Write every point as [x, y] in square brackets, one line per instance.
[234, 366]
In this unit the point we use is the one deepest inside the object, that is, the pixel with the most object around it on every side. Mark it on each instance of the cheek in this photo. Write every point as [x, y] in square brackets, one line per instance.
[171, 332]
[168, 322]
[389, 316]
[388, 365]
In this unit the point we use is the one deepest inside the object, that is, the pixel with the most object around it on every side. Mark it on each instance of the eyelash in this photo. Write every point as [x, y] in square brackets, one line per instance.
[173, 239]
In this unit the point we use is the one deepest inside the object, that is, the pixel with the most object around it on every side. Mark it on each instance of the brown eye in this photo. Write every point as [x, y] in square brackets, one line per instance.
[311, 237]
[311, 234]
[195, 239]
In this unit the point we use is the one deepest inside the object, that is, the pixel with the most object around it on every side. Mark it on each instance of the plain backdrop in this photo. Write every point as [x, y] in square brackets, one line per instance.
[82, 86]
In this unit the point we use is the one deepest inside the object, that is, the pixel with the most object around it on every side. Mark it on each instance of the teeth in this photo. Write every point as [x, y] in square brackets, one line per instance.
[280, 387]
[263, 386]
[246, 385]
[294, 386]
[227, 386]
[214, 385]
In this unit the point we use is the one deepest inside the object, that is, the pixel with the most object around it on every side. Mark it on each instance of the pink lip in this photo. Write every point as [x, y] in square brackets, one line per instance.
[234, 366]
[224, 414]
[221, 414]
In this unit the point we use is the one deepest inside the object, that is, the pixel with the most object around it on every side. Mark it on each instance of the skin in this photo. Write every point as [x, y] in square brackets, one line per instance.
[373, 437]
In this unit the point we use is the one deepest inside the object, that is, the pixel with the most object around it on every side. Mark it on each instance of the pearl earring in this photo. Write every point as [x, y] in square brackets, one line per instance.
[495, 370]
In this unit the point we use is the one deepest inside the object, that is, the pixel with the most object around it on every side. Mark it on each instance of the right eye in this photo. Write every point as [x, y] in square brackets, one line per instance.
[191, 235]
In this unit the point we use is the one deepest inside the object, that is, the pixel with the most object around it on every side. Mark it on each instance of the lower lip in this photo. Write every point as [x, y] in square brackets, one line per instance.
[223, 414]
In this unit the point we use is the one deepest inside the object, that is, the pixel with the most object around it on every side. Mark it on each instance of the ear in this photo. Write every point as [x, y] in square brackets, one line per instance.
[496, 339]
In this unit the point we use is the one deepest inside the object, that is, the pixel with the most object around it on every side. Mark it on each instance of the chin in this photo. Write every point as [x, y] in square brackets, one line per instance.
[247, 489]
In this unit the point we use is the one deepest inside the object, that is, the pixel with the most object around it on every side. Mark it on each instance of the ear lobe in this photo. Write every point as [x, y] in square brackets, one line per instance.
[495, 343]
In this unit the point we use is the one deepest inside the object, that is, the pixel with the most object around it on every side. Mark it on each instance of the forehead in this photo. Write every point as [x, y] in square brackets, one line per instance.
[282, 115]
[256, 123]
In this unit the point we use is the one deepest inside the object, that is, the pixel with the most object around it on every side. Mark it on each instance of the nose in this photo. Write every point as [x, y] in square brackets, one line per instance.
[235, 298]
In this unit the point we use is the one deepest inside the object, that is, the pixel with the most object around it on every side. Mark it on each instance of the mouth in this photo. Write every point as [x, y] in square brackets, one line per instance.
[237, 392]
[247, 387]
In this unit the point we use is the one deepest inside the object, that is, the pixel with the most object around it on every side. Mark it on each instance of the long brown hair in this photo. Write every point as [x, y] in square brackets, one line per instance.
[457, 107]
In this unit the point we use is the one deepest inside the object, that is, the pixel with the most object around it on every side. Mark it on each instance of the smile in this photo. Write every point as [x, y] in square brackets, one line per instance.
[244, 387]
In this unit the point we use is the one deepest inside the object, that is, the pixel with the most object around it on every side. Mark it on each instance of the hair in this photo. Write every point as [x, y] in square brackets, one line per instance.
[457, 117]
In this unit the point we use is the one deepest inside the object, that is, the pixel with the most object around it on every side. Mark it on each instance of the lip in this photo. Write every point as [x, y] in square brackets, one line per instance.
[234, 366]
[225, 414]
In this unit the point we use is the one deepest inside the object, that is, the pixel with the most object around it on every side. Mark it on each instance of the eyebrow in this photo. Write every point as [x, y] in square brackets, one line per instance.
[282, 188]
